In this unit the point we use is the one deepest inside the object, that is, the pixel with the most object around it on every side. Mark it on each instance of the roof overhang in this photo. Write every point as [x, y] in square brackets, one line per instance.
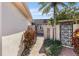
[70, 20]
[24, 10]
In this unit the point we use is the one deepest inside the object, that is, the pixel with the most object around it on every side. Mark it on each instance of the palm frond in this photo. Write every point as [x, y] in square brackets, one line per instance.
[71, 3]
[45, 7]
[42, 5]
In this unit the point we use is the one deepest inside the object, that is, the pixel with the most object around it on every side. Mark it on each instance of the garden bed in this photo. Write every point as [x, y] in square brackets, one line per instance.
[51, 47]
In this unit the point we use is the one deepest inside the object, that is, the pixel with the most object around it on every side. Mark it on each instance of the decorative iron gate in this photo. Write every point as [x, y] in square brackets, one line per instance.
[66, 32]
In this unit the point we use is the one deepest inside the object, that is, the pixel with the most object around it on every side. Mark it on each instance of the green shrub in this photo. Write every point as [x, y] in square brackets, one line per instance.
[55, 49]
[48, 42]
[57, 42]
[52, 47]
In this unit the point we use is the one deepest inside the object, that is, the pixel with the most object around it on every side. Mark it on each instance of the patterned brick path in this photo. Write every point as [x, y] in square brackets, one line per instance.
[67, 52]
[35, 50]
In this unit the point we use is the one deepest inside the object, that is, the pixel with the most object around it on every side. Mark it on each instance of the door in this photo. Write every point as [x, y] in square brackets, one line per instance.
[40, 30]
[66, 30]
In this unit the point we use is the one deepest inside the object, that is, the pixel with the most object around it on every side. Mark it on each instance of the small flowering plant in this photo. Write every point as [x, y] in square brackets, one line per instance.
[75, 41]
[75, 37]
[76, 33]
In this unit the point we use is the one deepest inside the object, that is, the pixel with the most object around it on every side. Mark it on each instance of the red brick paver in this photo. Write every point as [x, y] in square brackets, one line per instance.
[67, 52]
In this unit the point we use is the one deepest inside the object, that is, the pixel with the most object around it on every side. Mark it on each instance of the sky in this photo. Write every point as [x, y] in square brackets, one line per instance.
[36, 14]
[34, 9]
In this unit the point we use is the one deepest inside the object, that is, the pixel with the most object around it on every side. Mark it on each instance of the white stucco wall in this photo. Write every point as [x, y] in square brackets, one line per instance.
[45, 31]
[58, 32]
[12, 23]
[75, 26]
[12, 20]
[50, 32]
[0, 32]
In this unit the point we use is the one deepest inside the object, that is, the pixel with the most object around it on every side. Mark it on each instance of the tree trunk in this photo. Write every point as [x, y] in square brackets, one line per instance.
[54, 22]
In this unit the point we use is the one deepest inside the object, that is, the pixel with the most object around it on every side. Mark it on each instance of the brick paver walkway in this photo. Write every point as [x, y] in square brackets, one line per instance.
[35, 50]
[67, 52]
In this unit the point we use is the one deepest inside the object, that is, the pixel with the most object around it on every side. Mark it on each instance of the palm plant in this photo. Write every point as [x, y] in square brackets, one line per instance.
[70, 12]
[47, 6]
[67, 14]
[76, 14]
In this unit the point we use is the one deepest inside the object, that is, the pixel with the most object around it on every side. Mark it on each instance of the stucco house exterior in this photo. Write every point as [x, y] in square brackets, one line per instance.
[16, 17]
[64, 31]
[39, 25]
[0, 32]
